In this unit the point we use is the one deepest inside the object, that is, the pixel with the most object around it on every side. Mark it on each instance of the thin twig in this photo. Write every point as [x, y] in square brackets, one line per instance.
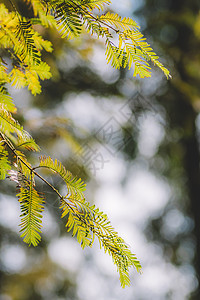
[12, 148]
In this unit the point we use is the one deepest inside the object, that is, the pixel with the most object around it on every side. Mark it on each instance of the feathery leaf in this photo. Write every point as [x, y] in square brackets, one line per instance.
[75, 186]
[6, 100]
[31, 204]
[4, 161]
[86, 222]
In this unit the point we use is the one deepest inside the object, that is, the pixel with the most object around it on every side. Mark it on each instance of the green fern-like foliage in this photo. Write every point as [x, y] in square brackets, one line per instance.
[4, 161]
[31, 203]
[21, 66]
[6, 100]
[75, 186]
[23, 44]
[86, 222]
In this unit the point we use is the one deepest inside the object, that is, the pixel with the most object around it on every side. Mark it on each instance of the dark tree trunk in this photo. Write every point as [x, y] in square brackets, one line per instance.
[192, 168]
[179, 17]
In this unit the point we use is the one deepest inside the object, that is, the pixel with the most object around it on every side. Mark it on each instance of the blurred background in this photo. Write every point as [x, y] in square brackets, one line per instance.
[136, 144]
